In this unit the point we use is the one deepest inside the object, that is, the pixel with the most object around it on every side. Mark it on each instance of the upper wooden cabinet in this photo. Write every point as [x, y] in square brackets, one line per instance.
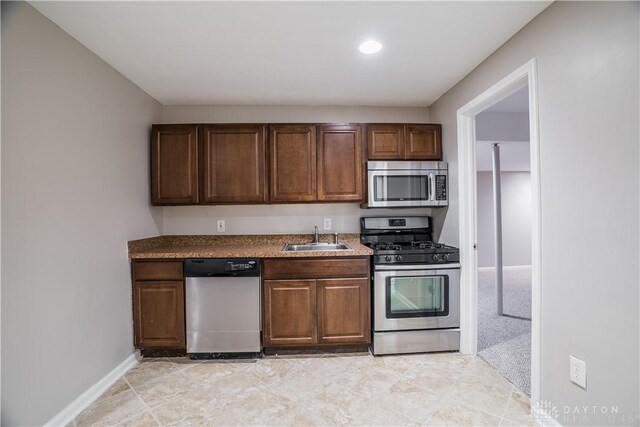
[385, 142]
[278, 163]
[423, 142]
[174, 164]
[292, 158]
[233, 164]
[340, 163]
[316, 163]
[404, 142]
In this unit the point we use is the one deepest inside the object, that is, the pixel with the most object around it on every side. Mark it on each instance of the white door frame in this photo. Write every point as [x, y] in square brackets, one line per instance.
[523, 76]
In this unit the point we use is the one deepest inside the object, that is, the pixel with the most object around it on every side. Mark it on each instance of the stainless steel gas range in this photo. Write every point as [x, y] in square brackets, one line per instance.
[416, 286]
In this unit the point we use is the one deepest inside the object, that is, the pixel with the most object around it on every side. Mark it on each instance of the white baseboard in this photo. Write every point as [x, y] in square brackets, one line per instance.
[83, 401]
[506, 267]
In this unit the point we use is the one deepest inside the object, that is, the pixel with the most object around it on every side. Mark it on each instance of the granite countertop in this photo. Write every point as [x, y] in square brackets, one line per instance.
[238, 246]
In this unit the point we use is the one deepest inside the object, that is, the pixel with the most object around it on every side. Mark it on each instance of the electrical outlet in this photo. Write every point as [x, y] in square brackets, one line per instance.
[221, 226]
[578, 371]
[327, 223]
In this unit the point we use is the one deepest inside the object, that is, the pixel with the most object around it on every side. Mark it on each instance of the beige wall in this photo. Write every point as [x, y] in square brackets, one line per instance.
[291, 114]
[516, 219]
[74, 189]
[275, 219]
[498, 126]
[587, 63]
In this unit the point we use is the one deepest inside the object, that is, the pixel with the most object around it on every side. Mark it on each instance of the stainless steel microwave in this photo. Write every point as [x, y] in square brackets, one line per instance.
[407, 184]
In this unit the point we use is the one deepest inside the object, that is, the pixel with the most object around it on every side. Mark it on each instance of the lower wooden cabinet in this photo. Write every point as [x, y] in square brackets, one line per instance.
[158, 305]
[311, 302]
[290, 312]
[343, 310]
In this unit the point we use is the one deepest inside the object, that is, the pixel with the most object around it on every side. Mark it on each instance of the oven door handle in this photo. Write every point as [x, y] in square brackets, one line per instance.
[432, 187]
[391, 267]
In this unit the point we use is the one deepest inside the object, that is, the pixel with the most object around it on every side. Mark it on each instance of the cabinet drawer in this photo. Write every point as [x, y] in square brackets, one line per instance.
[157, 270]
[302, 268]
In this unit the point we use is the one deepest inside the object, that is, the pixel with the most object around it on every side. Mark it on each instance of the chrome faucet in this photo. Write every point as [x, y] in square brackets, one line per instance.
[316, 236]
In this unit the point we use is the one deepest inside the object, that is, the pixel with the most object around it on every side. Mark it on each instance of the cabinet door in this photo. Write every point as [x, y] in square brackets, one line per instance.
[343, 311]
[385, 142]
[174, 165]
[289, 312]
[423, 142]
[292, 152]
[340, 164]
[233, 164]
[158, 314]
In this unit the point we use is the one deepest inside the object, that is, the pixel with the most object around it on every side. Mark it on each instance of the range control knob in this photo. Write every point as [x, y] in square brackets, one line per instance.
[387, 258]
[436, 257]
[398, 258]
[445, 257]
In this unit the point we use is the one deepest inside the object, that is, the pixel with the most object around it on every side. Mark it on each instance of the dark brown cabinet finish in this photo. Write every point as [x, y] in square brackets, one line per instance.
[404, 142]
[292, 155]
[385, 142]
[279, 163]
[143, 270]
[289, 312]
[174, 164]
[340, 163]
[309, 302]
[423, 142]
[158, 305]
[233, 164]
[343, 310]
[287, 268]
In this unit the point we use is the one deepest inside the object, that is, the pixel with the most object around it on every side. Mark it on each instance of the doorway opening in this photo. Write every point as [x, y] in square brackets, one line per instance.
[524, 76]
[503, 188]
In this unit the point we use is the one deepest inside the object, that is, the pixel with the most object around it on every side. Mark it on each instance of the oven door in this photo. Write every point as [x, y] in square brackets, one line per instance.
[416, 297]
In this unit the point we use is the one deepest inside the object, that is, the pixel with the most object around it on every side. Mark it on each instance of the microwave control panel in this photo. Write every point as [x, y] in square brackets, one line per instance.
[441, 187]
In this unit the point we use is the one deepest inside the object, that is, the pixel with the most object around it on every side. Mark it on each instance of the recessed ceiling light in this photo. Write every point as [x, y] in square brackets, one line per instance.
[370, 46]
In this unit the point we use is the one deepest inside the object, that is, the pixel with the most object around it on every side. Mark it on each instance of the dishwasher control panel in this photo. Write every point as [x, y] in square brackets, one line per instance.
[220, 267]
[243, 265]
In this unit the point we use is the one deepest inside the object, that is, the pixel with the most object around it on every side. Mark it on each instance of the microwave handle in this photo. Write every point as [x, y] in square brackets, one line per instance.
[432, 187]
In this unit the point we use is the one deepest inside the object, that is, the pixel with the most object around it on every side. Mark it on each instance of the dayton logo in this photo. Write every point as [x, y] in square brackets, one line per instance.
[544, 411]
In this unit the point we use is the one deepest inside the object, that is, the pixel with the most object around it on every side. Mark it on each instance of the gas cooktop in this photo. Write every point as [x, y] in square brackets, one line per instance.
[404, 240]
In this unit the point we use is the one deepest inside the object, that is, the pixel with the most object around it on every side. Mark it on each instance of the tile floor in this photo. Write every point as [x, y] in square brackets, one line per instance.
[354, 390]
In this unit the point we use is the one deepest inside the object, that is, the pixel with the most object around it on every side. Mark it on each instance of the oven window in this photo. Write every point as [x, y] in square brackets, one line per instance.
[400, 187]
[422, 296]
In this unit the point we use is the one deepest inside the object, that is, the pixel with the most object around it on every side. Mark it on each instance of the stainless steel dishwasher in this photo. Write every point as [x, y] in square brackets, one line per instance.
[223, 307]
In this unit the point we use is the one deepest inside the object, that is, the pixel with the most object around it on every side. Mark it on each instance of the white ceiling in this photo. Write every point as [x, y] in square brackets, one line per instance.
[292, 53]
[517, 102]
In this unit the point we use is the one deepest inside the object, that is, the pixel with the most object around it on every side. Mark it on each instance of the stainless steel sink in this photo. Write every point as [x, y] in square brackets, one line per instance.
[317, 247]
